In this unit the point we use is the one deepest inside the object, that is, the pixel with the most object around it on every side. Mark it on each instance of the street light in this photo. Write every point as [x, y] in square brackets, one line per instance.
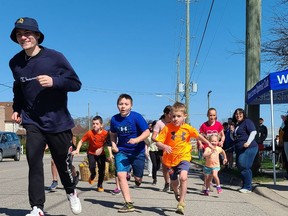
[208, 97]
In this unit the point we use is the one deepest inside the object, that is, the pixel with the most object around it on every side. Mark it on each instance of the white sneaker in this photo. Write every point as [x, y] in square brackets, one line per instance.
[243, 190]
[75, 203]
[36, 212]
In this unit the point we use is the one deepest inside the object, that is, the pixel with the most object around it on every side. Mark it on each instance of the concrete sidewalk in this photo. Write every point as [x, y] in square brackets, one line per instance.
[276, 192]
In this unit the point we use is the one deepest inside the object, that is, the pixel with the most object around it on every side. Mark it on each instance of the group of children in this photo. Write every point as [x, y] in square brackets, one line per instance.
[126, 144]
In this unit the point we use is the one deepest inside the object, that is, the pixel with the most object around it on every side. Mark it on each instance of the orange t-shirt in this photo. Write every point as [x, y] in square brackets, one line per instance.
[95, 140]
[178, 137]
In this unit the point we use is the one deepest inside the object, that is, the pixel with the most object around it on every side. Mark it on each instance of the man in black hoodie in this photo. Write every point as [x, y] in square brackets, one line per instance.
[43, 77]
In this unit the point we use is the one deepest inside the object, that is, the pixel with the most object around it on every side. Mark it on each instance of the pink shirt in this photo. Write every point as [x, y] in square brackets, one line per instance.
[206, 130]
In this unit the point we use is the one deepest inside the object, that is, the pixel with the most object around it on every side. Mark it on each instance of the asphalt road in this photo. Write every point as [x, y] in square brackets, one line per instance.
[148, 199]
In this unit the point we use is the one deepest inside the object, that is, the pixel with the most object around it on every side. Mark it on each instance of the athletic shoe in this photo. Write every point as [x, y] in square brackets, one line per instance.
[75, 203]
[206, 192]
[53, 185]
[100, 188]
[127, 207]
[154, 182]
[36, 212]
[180, 208]
[166, 187]
[116, 191]
[243, 190]
[150, 174]
[219, 189]
[128, 177]
[91, 181]
[137, 183]
[177, 196]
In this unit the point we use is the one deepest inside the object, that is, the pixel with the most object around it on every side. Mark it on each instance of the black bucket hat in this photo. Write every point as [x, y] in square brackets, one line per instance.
[27, 24]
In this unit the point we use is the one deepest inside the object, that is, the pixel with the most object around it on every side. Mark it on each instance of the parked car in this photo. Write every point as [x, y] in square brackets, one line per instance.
[9, 146]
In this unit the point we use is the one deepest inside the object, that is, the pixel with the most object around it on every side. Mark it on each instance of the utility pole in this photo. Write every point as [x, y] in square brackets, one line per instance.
[177, 94]
[187, 77]
[253, 49]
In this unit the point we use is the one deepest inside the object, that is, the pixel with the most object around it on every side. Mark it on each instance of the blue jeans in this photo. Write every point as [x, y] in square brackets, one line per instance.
[244, 162]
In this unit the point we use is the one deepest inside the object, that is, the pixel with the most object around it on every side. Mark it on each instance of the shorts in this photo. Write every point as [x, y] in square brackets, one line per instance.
[124, 161]
[209, 170]
[183, 165]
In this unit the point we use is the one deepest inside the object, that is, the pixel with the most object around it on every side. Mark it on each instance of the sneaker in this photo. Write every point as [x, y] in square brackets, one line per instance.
[166, 187]
[137, 183]
[53, 185]
[36, 212]
[116, 191]
[219, 189]
[206, 192]
[180, 208]
[100, 188]
[177, 196]
[243, 190]
[150, 175]
[154, 182]
[128, 177]
[91, 181]
[75, 203]
[127, 207]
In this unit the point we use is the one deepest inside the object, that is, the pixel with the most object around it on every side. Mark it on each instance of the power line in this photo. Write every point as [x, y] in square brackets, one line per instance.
[202, 38]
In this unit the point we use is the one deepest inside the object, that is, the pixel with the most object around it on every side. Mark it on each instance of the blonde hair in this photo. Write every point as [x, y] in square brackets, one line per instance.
[214, 135]
[177, 106]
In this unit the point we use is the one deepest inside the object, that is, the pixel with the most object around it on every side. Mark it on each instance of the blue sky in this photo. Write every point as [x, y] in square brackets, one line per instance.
[131, 46]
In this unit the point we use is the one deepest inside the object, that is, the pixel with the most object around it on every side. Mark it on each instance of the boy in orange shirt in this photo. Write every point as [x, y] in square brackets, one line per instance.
[212, 165]
[174, 139]
[95, 153]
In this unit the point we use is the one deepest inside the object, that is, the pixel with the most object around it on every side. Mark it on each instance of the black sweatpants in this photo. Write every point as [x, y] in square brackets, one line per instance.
[155, 158]
[60, 145]
[101, 162]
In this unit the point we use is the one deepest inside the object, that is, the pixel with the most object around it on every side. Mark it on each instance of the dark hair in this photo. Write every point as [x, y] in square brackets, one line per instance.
[98, 118]
[240, 110]
[126, 96]
[166, 111]
[210, 109]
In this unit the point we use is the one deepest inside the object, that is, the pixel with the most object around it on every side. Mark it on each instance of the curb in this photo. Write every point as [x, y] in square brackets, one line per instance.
[268, 193]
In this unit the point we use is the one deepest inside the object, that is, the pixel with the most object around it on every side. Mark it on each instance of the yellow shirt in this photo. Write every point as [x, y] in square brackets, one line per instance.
[178, 137]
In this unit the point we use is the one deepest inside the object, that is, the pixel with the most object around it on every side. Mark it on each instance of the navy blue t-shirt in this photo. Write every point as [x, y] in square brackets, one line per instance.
[242, 132]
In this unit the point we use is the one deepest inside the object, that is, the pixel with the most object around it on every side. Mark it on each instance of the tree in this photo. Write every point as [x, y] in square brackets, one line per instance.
[275, 50]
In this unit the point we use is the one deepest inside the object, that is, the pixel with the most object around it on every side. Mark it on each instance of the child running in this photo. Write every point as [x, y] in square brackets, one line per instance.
[95, 153]
[128, 130]
[212, 165]
[174, 139]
